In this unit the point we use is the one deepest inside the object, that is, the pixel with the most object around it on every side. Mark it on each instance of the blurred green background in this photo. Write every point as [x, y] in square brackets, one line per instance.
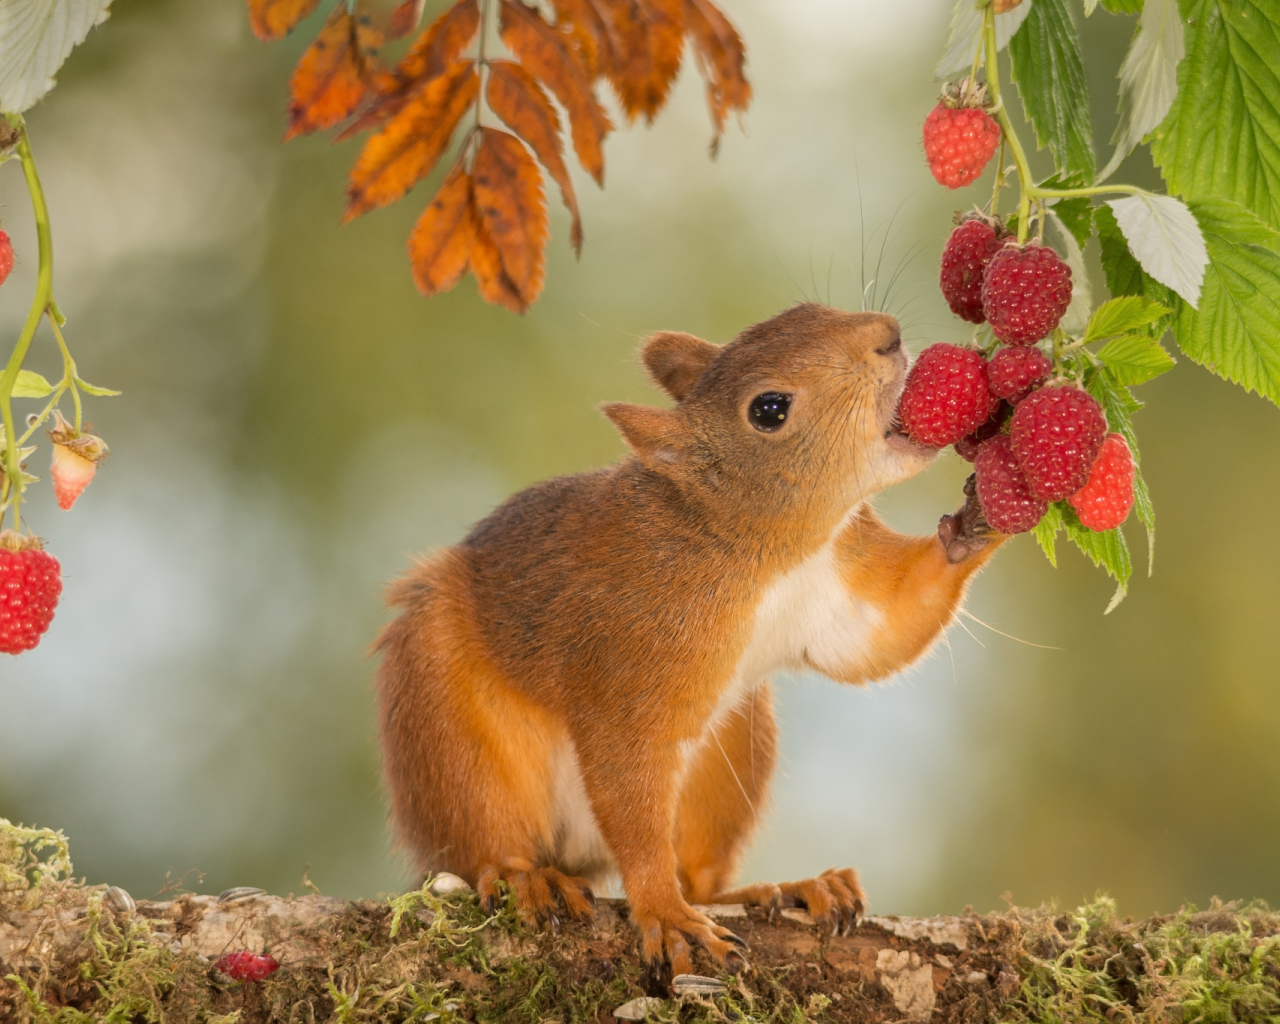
[297, 422]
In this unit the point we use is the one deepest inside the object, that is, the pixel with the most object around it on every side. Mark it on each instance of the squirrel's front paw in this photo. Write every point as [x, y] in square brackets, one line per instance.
[967, 531]
[673, 936]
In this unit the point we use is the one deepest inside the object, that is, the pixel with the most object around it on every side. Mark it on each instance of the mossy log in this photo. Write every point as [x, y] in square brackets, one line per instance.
[76, 953]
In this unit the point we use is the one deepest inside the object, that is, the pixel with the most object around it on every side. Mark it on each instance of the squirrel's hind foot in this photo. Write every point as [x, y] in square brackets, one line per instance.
[673, 938]
[834, 899]
[542, 894]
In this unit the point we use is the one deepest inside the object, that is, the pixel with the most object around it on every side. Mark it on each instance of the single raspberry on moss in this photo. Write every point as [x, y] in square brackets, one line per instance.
[1056, 433]
[30, 583]
[1104, 502]
[947, 395]
[964, 262]
[246, 966]
[1026, 290]
[967, 447]
[1006, 499]
[1016, 371]
[959, 141]
[6, 256]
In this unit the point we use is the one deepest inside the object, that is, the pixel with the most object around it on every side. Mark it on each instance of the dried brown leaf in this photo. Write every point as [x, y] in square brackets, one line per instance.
[437, 49]
[333, 75]
[631, 65]
[721, 56]
[541, 48]
[511, 211]
[515, 96]
[442, 240]
[582, 22]
[404, 18]
[666, 50]
[275, 19]
[412, 142]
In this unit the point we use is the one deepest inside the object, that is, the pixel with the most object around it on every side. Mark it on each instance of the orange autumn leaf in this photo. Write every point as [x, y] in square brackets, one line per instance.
[721, 56]
[631, 63]
[582, 22]
[442, 240]
[666, 49]
[431, 54]
[404, 19]
[511, 211]
[275, 19]
[515, 96]
[412, 142]
[491, 276]
[541, 48]
[333, 75]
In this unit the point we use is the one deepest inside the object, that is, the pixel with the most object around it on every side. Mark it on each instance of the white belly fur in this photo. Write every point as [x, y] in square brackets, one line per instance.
[805, 618]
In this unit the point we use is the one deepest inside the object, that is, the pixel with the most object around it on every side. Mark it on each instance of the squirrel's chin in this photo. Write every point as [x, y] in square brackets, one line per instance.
[904, 458]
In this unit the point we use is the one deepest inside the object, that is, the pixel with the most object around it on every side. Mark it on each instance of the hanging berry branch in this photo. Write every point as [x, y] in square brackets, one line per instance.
[1040, 399]
[489, 217]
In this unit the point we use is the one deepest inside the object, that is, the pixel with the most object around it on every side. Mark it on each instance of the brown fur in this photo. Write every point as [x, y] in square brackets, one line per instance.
[602, 616]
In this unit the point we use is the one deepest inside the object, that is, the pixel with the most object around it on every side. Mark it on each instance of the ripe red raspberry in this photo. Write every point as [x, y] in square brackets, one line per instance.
[1056, 433]
[6, 256]
[946, 396]
[30, 582]
[959, 142]
[1016, 371]
[967, 447]
[1025, 293]
[246, 966]
[1104, 502]
[964, 261]
[1007, 501]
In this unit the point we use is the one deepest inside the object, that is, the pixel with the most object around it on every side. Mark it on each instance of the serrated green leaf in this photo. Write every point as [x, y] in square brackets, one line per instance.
[1165, 239]
[1047, 67]
[1236, 331]
[93, 389]
[966, 27]
[1135, 359]
[1122, 316]
[1106, 549]
[1222, 137]
[1064, 242]
[1123, 6]
[1046, 532]
[36, 36]
[31, 385]
[1119, 405]
[1148, 78]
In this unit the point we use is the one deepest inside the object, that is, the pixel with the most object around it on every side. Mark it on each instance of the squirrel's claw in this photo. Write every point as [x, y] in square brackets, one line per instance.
[540, 894]
[966, 531]
[673, 940]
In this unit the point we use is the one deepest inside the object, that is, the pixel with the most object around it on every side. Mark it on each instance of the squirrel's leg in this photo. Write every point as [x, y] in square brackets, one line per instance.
[633, 793]
[467, 758]
[726, 785]
[725, 788]
[908, 589]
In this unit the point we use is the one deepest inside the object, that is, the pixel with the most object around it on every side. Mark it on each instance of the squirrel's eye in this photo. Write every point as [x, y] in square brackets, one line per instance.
[769, 411]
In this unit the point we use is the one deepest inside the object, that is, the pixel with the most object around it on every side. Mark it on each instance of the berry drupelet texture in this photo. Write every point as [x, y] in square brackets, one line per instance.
[964, 262]
[959, 142]
[1104, 502]
[1016, 371]
[30, 584]
[1007, 501]
[947, 395]
[1056, 433]
[1026, 290]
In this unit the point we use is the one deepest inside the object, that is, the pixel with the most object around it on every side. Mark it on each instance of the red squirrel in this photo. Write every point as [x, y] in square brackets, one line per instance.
[581, 686]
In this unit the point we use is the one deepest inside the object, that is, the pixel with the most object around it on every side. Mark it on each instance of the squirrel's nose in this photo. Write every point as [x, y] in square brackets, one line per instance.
[891, 347]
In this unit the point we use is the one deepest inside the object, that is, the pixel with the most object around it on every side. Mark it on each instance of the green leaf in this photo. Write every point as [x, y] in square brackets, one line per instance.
[1055, 94]
[1236, 331]
[93, 389]
[1135, 359]
[1124, 274]
[31, 385]
[1148, 78]
[1122, 316]
[966, 27]
[1120, 405]
[36, 36]
[1222, 137]
[1046, 532]
[1165, 239]
[1123, 6]
[1106, 549]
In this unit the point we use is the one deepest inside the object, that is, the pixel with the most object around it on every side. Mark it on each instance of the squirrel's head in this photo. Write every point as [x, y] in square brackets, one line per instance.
[793, 419]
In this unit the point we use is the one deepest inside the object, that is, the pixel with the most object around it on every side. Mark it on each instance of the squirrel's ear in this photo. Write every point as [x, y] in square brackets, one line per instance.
[676, 360]
[656, 435]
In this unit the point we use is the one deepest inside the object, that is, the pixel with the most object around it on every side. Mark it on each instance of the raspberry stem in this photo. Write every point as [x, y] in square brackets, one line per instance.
[1006, 126]
[40, 303]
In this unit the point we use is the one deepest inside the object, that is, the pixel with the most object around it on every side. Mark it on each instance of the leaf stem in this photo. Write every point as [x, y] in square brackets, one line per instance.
[68, 366]
[40, 302]
[1071, 193]
[1006, 126]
